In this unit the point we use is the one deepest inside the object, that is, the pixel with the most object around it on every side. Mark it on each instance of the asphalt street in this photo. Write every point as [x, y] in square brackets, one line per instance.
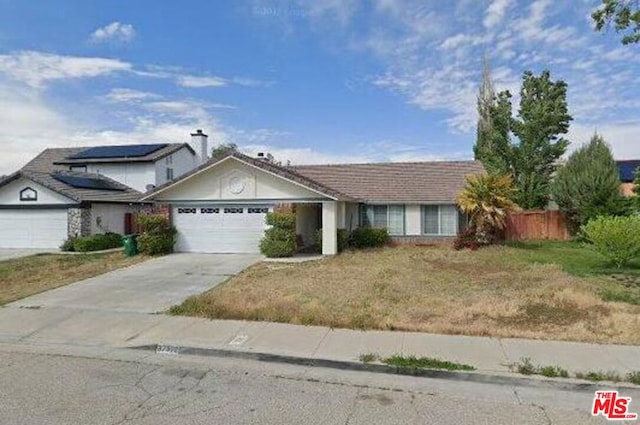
[132, 388]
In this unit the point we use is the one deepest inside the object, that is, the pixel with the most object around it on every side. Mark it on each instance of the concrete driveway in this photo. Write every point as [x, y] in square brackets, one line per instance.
[11, 253]
[149, 287]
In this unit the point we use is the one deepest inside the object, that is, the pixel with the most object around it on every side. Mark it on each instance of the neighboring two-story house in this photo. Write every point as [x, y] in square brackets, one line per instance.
[67, 192]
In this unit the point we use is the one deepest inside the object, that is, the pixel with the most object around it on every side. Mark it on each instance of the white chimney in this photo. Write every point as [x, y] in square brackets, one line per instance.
[200, 144]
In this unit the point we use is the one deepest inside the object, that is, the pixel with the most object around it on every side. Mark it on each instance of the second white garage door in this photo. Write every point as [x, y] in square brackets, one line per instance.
[33, 228]
[220, 228]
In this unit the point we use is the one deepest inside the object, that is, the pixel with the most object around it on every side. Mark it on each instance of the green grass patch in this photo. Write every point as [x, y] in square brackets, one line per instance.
[369, 357]
[597, 376]
[575, 258]
[422, 363]
[578, 259]
[526, 367]
[633, 377]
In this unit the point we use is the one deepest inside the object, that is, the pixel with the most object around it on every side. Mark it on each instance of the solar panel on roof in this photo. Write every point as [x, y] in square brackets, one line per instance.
[86, 182]
[627, 170]
[122, 151]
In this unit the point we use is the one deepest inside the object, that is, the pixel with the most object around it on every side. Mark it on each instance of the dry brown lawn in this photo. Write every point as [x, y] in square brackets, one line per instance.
[490, 292]
[26, 276]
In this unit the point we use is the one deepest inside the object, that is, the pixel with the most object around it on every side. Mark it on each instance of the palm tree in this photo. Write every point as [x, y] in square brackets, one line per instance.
[487, 200]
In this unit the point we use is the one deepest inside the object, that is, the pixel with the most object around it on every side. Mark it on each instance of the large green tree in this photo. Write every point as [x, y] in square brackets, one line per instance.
[542, 119]
[625, 16]
[532, 156]
[588, 185]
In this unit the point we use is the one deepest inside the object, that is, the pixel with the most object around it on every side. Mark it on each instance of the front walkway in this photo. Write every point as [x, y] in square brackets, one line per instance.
[149, 287]
[109, 329]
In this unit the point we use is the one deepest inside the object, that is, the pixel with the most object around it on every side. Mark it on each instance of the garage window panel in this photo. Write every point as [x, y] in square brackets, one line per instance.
[187, 210]
[209, 210]
[234, 210]
[257, 210]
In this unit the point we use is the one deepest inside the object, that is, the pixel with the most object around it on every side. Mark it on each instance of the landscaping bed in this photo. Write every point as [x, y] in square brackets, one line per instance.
[531, 290]
[27, 276]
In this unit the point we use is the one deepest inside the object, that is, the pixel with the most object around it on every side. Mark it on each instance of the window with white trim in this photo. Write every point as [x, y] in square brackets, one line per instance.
[169, 163]
[440, 220]
[390, 217]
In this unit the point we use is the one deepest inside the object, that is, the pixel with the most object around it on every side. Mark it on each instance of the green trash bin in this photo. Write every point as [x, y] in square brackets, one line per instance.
[130, 245]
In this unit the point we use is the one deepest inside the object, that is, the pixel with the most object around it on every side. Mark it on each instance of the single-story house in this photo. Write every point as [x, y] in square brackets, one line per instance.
[71, 192]
[627, 170]
[220, 206]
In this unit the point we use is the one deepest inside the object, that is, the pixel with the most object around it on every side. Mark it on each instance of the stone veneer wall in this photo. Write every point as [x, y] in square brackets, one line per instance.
[79, 222]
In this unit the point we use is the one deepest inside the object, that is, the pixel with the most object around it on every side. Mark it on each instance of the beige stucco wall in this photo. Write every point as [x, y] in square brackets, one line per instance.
[351, 212]
[233, 180]
[307, 218]
[109, 217]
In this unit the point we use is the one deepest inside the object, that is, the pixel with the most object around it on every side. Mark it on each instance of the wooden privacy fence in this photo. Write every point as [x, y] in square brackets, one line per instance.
[537, 225]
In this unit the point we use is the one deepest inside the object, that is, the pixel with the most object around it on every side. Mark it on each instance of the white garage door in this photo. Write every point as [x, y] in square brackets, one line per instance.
[220, 228]
[33, 228]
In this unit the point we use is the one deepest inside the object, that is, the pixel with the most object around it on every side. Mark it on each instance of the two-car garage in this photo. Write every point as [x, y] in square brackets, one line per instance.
[220, 228]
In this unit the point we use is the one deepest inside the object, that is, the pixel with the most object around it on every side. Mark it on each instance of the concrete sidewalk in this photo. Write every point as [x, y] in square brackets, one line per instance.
[91, 328]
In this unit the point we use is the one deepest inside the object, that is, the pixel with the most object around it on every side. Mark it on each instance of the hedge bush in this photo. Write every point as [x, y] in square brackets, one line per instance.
[67, 245]
[280, 239]
[96, 242]
[282, 220]
[344, 240]
[615, 238]
[369, 237]
[157, 235]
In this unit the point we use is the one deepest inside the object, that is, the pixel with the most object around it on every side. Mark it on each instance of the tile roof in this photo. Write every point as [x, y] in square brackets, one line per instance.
[285, 172]
[401, 182]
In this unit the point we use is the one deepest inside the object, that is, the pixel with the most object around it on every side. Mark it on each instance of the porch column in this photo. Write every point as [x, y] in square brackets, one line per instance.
[329, 228]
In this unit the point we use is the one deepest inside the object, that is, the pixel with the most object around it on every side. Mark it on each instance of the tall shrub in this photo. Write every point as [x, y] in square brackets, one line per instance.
[615, 238]
[588, 185]
[158, 236]
[280, 239]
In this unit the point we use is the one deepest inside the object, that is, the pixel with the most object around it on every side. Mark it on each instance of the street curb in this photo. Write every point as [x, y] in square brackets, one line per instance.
[568, 384]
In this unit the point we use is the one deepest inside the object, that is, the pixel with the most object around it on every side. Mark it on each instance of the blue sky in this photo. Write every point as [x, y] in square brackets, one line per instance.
[309, 81]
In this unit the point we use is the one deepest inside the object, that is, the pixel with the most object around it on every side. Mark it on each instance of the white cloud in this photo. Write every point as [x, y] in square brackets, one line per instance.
[495, 13]
[621, 135]
[124, 95]
[37, 68]
[192, 81]
[113, 32]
